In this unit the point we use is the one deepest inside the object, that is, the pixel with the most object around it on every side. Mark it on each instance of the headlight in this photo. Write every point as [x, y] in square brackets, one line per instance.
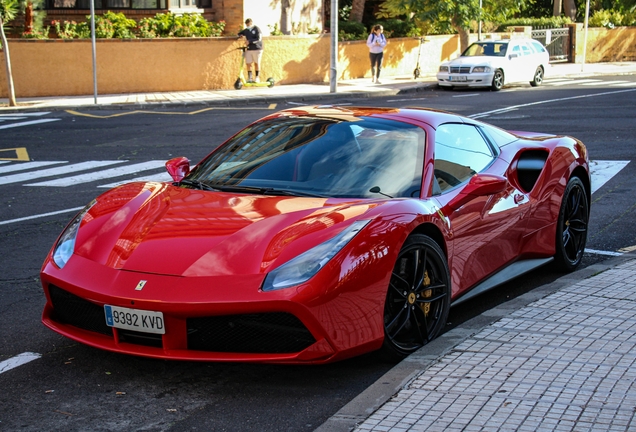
[305, 266]
[66, 244]
[443, 68]
[478, 69]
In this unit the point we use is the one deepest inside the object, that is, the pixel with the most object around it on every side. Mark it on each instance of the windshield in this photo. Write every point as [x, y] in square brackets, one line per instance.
[364, 158]
[492, 49]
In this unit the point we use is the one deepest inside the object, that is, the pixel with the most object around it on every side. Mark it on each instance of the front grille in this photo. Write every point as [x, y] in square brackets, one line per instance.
[275, 333]
[73, 310]
[139, 338]
[460, 69]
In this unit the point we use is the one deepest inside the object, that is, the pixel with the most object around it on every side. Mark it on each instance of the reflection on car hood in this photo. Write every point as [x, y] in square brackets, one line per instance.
[163, 229]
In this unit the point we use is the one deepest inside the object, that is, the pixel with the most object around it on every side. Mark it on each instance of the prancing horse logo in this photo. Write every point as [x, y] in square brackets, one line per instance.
[140, 285]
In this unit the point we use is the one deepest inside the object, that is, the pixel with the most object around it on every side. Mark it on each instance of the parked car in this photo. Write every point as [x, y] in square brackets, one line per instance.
[495, 63]
[316, 234]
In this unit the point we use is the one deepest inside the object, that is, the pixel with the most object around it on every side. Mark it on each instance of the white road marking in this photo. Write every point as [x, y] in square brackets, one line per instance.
[497, 111]
[603, 171]
[599, 252]
[33, 114]
[82, 166]
[405, 100]
[466, 95]
[2, 119]
[627, 84]
[605, 83]
[580, 81]
[100, 175]
[21, 166]
[161, 177]
[29, 123]
[10, 221]
[18, 360]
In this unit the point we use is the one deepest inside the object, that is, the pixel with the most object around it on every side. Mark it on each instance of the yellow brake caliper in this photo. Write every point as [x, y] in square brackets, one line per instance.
[426, 307]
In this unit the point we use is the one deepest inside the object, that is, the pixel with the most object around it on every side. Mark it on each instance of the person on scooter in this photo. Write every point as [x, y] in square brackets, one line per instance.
[254, 38]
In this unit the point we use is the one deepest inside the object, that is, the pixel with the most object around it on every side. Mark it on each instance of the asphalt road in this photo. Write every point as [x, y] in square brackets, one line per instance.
[74, 387]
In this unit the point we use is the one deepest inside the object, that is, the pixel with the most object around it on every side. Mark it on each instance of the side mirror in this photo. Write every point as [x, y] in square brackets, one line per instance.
[178, 168]
[479, 185]
[513, 55]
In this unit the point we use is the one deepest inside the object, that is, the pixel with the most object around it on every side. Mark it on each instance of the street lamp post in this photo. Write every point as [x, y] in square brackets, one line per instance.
[94, 51]
[333, 71]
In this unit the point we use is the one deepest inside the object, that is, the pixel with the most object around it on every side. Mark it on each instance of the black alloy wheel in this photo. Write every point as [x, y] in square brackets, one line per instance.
[572, 226]
[418, 298]
[538, 77]
[498, 80]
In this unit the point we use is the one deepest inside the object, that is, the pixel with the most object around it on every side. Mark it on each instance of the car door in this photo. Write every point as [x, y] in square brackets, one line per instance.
[487, 229]
[515, 63]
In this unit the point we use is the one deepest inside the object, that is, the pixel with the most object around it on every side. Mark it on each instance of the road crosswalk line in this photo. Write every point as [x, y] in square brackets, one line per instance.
[28, 123]
[27, 165]
[100, 175]
[50, 172]
[161, 177]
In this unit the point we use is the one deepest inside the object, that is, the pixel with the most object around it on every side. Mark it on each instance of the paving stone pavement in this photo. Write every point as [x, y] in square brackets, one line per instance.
[562, 363]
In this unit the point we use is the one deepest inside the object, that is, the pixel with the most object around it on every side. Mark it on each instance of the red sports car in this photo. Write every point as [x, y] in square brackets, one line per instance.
[316, 234]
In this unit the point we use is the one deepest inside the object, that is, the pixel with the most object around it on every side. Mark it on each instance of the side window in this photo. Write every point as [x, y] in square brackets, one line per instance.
[460, 152]
[526, 49]
[537, 47]
[516, 50]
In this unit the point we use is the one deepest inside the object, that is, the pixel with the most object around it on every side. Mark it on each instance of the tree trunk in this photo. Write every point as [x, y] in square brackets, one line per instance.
[557, 8]
[7, 63]
[569, 9]
[357, 10]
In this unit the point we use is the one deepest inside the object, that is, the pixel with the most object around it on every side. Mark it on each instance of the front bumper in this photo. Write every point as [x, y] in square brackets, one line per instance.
[465, 80]
[204, 319]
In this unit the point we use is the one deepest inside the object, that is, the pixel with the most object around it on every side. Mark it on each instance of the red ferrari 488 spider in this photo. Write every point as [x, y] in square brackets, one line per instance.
[316, 234]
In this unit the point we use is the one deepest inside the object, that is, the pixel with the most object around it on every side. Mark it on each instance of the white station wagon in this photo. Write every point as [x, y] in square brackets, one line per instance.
[495, 63]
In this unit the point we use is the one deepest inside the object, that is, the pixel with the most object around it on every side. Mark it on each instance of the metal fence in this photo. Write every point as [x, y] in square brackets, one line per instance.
[557, 41]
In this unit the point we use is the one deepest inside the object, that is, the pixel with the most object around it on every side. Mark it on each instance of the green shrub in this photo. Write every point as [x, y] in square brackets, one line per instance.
[351, 30]
[71, 30]
[399, 28]
[612, 18]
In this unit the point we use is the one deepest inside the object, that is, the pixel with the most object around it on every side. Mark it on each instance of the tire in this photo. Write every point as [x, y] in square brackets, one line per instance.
[270, 82]
[572, 226]
[418, 298]
[497, 80]
[238, 84]
[538, 77]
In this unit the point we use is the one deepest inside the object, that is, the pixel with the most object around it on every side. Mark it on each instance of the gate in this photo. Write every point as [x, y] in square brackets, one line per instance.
[557, 41]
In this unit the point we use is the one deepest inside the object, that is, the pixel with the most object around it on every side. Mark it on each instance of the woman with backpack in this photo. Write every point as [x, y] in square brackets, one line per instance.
[376, 43]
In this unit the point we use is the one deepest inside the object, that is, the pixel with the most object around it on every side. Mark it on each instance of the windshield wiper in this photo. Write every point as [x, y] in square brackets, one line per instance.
[265, 191]
[195, 184]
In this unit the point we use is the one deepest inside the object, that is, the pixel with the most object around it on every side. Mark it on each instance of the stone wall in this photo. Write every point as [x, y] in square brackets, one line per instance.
[64, 68]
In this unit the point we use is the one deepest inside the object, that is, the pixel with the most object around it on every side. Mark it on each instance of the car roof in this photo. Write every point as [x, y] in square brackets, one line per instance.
[429, 116]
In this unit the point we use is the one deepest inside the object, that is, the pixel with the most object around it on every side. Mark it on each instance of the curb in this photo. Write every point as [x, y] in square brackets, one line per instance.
[234, 102]
[376, 395]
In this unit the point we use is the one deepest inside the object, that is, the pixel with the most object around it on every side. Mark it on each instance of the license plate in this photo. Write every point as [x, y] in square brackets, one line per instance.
[457, 78]
[134, 319]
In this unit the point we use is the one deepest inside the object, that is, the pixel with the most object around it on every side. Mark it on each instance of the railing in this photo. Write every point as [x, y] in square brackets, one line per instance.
[557, 42]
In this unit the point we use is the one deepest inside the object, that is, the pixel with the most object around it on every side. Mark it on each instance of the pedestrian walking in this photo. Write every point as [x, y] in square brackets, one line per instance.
[254, 38]
[376, 43]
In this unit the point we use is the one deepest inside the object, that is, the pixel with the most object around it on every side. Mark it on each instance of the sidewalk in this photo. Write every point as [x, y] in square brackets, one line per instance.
[559, 358]
[298, 93]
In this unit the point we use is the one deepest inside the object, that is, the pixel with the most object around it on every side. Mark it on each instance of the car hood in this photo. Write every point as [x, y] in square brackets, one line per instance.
[475, 61]
[162, 229]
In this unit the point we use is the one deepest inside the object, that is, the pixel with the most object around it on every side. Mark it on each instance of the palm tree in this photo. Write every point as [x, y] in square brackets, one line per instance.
[357, 10]
[8, 11]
